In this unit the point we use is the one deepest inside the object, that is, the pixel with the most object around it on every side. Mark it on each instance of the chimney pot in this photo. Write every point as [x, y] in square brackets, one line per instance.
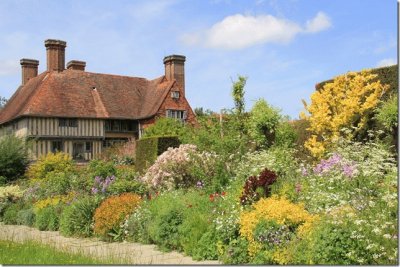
[175, 69]
[29, 69]
[55, 50]
[76, 65]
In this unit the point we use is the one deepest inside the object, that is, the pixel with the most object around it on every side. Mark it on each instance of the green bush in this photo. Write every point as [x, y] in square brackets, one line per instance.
[13, 158]
[236, 252]
[101, 168]
[121, 186]
[47, 219]
[77, 218]
[11, 212]
[164, 127]
[149, 148]
[26, 217]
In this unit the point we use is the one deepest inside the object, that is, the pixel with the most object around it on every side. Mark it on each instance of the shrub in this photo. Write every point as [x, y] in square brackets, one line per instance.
[124, 186]
[270, 223]
[101, 168]
[11, 212]
[149, 148]
[47, 219]
[263, 122]
[77, 218]
[348, 101]
[54, 201]
[13, 157]
[50, 163]
[164, 127]
[112, 212]
[257, 187]
[101, 184]
[10, 193]
[26, 217]
[173, 169]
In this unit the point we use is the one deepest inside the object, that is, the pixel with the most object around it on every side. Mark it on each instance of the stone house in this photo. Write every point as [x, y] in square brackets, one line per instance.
[81, 113]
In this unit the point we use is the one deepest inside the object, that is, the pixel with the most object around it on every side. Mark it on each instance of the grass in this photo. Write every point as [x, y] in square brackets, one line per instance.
[35, 253]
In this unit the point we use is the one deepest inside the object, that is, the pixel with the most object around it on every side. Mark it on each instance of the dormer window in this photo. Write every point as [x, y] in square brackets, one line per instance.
[175, 94]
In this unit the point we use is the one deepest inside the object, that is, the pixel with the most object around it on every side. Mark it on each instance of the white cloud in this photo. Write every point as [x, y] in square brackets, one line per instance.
[319, 23]
[240, 31]
[386, 62]
[9, 67]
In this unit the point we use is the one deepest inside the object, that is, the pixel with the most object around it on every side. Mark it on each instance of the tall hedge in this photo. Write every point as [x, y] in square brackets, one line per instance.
[148, 148]
[387, 75]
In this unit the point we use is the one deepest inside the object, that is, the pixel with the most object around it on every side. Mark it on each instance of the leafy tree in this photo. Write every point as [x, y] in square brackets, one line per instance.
[347, 102]
[13, 157]
[263, 122]
[238, 94]
[165, 126]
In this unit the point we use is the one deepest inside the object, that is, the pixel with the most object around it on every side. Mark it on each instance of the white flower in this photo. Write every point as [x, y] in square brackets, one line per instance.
[387, 236]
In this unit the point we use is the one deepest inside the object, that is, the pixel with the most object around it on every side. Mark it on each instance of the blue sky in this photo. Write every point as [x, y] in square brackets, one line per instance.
[284, 47]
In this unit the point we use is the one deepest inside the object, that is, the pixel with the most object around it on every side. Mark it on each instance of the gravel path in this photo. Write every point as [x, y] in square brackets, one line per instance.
[125, 253]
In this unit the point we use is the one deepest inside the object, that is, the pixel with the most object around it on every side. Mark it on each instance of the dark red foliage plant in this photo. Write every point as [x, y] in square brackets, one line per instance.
[257, 187]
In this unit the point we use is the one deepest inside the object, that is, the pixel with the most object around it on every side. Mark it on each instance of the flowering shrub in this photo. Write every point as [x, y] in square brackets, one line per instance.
[257, 186]
[174, 168]
[10, 193]
[354, 175]
[54, 201]
[57, 162]
[348, 101]
[272, 223]
[112, 212]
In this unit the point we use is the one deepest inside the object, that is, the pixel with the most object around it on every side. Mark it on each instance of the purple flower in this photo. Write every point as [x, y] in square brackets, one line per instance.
[199, 184]
[94, 190]
[97, 179]
[348, 170]
[304, 171]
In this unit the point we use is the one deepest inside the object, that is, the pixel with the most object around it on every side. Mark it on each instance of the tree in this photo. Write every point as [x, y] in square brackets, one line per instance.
[238, 94]
[263, 122]
[347, 102]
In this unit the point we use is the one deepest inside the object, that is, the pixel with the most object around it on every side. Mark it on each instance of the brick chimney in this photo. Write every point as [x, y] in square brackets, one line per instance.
[55, 54]
[76, 65]
[175, 69]
[29, 69]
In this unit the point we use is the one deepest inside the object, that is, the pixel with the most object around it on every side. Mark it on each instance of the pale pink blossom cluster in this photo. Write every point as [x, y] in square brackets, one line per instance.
[180, 167]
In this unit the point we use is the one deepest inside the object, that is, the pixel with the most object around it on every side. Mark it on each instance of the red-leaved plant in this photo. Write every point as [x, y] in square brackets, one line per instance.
[257, 187]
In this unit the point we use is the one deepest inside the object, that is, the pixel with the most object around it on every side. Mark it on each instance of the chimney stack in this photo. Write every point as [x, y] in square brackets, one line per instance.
[29, 69]
[175, 69]
[55, 54]
[76, 65]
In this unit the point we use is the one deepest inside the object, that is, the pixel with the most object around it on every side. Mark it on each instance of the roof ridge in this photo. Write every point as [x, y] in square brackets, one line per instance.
[99, 105]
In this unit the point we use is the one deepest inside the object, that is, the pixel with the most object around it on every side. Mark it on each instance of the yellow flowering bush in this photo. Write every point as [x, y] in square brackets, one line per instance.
[347, 102]
[53, 201]
[272, 223]
[52, 162]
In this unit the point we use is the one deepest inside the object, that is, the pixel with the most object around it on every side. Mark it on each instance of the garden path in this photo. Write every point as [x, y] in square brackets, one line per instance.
[126, 252]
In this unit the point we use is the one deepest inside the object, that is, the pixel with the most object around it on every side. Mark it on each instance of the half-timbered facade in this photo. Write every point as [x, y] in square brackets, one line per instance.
[81, 113]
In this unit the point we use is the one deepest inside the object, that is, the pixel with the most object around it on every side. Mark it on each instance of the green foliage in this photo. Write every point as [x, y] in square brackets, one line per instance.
[285, 135]
[236, 252]
[77, 218]
[262, 123]
[164, 127]
[238, 94]
[47, 219]
[101, 168]
[13, 157]
[11, 213]
[387, 114]
[149, 148]
[121, 186]
[26, 217]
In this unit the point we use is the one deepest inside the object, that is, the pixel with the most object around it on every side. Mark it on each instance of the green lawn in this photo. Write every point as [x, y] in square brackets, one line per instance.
[36, 253]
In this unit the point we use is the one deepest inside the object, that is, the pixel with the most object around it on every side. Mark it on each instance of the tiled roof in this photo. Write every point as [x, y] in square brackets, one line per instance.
[73, 93]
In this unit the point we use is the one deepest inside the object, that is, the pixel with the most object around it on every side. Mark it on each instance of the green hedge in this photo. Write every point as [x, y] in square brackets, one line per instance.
[148, 148]
[387, 75]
